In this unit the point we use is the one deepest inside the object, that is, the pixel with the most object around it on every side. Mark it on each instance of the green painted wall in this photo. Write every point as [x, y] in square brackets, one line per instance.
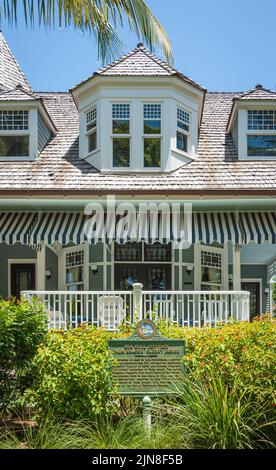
[256, 271]
[11, 252]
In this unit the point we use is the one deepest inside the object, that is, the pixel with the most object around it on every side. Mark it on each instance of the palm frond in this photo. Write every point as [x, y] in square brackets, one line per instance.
[99, 17]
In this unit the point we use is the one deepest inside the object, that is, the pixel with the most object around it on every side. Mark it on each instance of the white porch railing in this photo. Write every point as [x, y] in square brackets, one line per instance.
[110, 309]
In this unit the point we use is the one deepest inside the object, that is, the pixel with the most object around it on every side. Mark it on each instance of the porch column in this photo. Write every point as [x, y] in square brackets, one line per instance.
[40, 268]
[137, 301]
[236, 267]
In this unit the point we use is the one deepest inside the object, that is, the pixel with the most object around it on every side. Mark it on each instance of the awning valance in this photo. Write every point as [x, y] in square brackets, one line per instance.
[64, 227]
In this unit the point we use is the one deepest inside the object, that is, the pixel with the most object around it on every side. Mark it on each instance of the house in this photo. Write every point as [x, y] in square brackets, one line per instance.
[137, 132]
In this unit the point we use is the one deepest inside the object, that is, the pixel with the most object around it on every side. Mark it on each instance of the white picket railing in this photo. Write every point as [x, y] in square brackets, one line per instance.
[109, 309]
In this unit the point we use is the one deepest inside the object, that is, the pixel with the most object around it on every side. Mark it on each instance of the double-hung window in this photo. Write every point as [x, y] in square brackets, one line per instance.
[121, 135]
[74, 270]
[261, 137]
[91, 129]
[152, 135]
[182, 130]
[14, 133]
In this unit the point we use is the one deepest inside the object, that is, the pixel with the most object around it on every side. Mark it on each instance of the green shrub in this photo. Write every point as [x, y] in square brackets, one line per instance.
[72, 374]
[240, 352]
[22, 328]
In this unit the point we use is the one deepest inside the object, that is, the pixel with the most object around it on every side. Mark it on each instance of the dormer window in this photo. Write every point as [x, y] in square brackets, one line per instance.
[182, 131]
[152, 135]
[14, 133]
[261, 136]
[91, 129]
[121, 135]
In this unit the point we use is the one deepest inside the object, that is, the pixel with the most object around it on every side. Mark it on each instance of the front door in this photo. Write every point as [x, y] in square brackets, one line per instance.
[254, 289]
[22, 278]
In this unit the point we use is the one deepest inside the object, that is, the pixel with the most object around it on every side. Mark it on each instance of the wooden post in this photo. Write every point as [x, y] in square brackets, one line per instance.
[40, 268]
[236, 267]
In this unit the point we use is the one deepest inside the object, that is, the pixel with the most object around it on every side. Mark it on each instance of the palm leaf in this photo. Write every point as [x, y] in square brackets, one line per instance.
[99, 17]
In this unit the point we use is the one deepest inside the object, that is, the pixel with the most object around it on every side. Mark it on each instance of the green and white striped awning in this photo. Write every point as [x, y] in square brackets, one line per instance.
[64, 227]
[16, 227]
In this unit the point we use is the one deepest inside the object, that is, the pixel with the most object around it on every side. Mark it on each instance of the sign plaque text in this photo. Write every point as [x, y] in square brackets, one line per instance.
[146, 363]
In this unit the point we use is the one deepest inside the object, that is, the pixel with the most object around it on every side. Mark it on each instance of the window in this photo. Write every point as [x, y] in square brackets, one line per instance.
[182, 132]
[14, 135]
[211, 270]
[152, 135]
[74, 266]
[91, 129]
[121, 135]
[261, 145]
[261, 140]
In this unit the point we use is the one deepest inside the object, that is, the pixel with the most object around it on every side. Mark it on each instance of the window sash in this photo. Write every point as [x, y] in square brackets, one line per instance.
[10, 145]
[261, 145]
[14, 120]
[261, 120]
[91, 129]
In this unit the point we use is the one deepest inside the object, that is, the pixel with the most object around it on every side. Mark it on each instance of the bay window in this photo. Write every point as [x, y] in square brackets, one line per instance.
[121, 135]
[152, 135]
[14, 133]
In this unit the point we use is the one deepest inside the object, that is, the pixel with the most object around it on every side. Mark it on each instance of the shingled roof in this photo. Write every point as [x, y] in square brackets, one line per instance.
[58, 168]
[11, 74]
[140, 62]
[258, 93]
[18, 94]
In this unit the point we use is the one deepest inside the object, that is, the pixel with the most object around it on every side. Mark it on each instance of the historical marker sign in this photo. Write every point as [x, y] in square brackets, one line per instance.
[146, 362]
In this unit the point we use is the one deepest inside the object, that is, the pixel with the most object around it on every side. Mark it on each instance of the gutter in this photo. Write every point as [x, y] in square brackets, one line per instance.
[166, 193]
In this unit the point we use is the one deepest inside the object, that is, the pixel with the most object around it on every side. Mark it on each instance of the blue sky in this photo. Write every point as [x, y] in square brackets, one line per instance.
[224, 45]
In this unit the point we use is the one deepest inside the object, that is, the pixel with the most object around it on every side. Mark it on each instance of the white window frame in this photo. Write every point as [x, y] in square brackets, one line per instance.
[94, 130]
[121, 136]
[152, 136]
[258, 132]
[223, 251]
[17, 133]
[181, 130]
[62, 264]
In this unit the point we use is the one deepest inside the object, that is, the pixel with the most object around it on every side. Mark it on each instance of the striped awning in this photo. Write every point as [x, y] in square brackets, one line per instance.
[16, 227]
[64, 227]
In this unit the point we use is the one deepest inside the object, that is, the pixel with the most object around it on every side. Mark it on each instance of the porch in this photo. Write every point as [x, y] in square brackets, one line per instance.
[224, 272]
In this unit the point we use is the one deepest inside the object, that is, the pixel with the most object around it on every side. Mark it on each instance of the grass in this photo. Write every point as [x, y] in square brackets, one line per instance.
[213, 415]
[200, 415]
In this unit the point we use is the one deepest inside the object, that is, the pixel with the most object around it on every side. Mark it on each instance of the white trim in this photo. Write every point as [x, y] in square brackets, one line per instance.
[21, 261]
[198, 248]
[260, 282]
[41, 268]
[61, 265]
